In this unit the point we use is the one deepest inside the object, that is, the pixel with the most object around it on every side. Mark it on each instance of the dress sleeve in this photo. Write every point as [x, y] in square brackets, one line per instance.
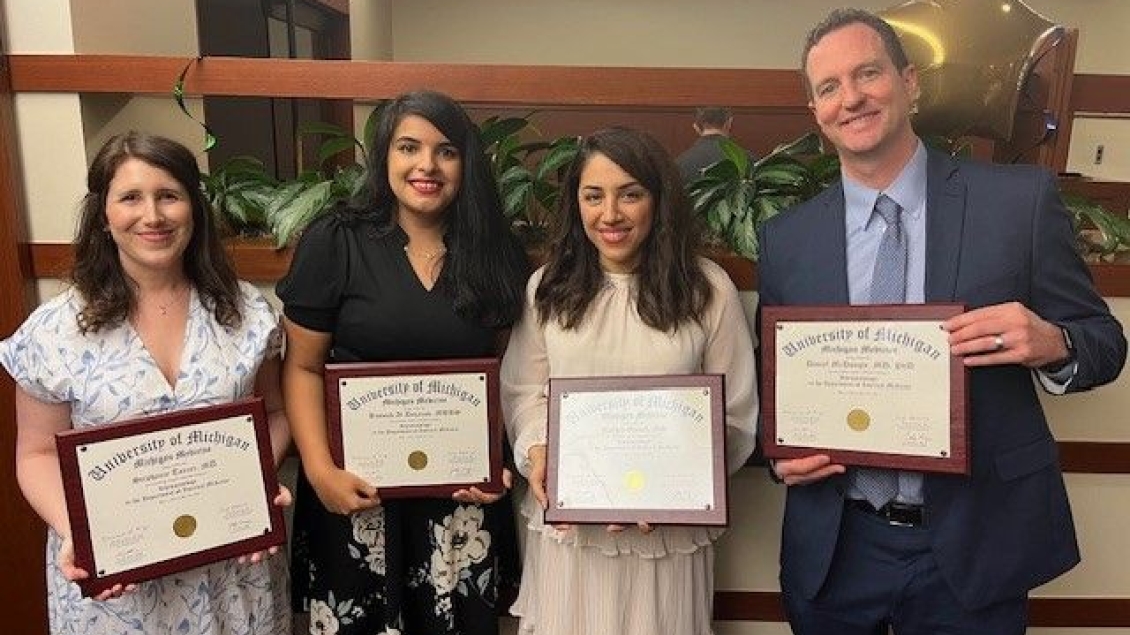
[524, 378]
[311, 290]
[31, 355]
[729, 350]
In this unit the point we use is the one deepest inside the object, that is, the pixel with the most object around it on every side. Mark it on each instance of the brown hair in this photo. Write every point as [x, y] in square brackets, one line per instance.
[98, 274]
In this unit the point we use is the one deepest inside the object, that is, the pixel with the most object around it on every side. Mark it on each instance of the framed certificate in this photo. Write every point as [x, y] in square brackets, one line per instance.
[417, 429]
[637, 449]
[870, 385]
[166, 493]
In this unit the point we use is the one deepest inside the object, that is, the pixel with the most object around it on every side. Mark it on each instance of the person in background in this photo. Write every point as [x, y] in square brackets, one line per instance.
[867, 550]
[420, 265]
[623, 293]
[711, 124]
[154, 321]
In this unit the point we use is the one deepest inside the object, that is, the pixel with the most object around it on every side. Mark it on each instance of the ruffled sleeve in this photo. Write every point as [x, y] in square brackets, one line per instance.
[311, 290]
[524, 379]
[32, 355]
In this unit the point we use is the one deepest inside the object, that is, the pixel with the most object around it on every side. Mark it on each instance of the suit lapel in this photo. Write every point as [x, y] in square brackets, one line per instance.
[830, 237]
[945, 219]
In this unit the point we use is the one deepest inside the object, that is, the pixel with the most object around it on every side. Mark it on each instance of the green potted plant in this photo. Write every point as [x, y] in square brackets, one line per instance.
[528, 173]
[734, 196]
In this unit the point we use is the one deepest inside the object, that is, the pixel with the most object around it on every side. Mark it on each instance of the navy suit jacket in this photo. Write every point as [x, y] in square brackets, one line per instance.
[994, 234]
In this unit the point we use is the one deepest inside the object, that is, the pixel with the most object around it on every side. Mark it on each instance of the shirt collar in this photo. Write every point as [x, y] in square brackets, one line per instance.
[908, 190]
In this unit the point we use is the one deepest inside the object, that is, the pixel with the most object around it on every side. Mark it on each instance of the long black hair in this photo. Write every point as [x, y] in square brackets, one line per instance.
[485, 267]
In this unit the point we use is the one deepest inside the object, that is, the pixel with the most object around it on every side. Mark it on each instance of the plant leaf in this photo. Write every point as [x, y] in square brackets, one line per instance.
[304, 206]
[735, 154]
[334, 145]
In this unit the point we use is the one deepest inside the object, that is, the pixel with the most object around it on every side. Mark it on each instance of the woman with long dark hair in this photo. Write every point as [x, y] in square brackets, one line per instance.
[623, 293]
[420, 265]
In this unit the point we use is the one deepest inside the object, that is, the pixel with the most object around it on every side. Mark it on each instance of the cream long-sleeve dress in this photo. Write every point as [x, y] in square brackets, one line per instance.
[586, 580]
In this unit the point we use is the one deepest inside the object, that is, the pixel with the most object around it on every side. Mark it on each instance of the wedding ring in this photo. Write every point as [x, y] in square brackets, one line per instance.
[998, 343]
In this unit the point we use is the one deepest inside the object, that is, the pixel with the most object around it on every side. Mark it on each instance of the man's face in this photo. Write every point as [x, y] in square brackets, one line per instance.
[860, 100]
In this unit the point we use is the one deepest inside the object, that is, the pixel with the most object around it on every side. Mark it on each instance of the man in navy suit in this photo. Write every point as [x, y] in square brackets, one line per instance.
[935, 553]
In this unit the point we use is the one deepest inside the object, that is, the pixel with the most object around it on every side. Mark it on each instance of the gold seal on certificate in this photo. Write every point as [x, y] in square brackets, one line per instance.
[417, 429]
[637, 449]
[184, 526]
[867, 385]
[858, 419]
[166, 493]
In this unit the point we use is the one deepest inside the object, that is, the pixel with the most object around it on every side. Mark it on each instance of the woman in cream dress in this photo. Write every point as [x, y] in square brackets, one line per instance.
[623, 293]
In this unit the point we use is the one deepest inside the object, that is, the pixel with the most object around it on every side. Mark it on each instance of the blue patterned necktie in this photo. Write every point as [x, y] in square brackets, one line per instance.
[888, 282]
[888, 286]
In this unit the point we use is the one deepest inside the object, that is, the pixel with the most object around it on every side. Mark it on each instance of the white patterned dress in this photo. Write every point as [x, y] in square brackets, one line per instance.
[109, 376]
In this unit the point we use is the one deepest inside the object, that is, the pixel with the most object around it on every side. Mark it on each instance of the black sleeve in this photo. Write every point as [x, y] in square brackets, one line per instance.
[311, 290]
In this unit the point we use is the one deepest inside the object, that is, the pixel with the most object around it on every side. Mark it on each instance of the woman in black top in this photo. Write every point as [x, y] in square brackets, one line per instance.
[420, 265]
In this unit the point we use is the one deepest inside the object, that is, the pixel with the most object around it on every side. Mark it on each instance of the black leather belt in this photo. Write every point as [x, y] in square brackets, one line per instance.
[898, 514]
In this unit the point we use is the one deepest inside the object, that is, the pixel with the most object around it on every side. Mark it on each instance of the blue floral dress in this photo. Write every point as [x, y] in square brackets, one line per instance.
[109, 376]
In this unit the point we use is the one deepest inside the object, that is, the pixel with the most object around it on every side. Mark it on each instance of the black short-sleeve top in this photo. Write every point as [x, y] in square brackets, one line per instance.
[351, 278]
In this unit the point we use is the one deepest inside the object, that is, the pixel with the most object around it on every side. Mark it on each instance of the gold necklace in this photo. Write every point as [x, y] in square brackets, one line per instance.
[428, 256]
[176, 297]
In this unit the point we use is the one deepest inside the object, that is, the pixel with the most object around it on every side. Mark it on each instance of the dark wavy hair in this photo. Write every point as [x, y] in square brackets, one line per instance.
[672, 288]
[108, 291]
[838, 19]
[485, 267]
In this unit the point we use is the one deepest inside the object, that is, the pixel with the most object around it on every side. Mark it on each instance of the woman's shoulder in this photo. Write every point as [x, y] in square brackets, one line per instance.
[342, 223]
[254, 303]
[52, 326]
[714, 273]
[58, 314]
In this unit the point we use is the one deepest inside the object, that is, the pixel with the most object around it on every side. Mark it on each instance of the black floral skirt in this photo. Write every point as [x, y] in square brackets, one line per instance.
[408, 567]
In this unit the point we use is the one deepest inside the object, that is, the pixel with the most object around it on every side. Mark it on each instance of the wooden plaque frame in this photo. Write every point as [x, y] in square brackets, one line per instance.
[956, 462]
[716, 514]
[487, 367]
[70, 443]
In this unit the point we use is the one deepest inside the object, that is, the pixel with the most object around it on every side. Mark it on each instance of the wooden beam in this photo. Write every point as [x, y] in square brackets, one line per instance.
[469, 83]
[1092, 93]
[259, 261]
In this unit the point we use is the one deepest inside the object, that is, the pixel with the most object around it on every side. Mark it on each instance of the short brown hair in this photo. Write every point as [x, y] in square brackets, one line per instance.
[838, 19]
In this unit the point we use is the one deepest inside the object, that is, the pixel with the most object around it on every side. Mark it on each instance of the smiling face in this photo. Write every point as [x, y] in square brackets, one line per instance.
[616, 211]
[149, 216]
[424, 169]
[860, 100]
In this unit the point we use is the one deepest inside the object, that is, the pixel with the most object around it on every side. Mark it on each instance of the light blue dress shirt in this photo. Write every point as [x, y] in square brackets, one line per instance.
[864, 232]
